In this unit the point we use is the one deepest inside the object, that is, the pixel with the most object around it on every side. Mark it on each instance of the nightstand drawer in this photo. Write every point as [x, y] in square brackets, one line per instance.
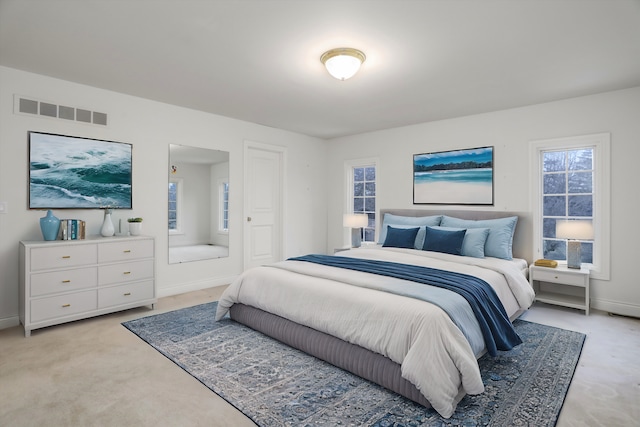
[555, 276]
[61, 281]
[125, 250]
[63, 256]
[63, 305]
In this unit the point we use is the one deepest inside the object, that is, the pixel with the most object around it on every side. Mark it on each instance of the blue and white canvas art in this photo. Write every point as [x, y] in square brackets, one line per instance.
[78, 173]
[460, 177]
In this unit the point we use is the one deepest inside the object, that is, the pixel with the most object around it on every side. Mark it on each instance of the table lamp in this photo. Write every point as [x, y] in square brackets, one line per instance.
[355, 222]
[574, 231]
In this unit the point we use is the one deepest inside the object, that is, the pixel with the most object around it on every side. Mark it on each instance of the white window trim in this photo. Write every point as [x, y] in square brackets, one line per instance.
[221, 229]
[348, 194]
[179, 183]
[601, 144]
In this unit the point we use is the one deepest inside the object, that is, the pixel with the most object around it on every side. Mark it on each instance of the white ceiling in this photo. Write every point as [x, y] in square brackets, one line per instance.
[258, 60]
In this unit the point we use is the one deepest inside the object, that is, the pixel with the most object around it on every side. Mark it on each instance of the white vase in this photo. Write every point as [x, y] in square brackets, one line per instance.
[107, 229]
[135, 228]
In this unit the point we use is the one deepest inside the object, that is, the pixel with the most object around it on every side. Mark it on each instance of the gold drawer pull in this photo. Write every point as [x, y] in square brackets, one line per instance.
[126, 251]
[555, 277]
[66, 305]
[127, 294]
[127, 272]
[66, 256]
[66, 281]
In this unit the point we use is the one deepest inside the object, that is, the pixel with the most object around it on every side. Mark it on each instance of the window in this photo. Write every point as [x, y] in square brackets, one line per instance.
[175, 195]
[223, 206]
[572, 182]
[361, 191]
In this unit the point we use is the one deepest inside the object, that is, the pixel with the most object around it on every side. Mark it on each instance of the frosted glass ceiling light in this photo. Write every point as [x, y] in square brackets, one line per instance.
[343, 63]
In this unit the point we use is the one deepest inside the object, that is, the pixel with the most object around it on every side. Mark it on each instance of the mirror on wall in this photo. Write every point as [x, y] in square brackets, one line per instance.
[198, 204]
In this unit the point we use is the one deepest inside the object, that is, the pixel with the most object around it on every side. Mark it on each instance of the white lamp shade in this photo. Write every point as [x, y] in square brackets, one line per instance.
[343, 63]
[355, 220]
[574, 229]
[343, 67]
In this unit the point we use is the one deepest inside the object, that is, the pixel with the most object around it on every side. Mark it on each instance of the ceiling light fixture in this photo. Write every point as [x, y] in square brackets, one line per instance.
[343, 62]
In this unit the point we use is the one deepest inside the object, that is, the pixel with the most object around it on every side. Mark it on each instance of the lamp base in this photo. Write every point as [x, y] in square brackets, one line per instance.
[574, 256]
[356, 237]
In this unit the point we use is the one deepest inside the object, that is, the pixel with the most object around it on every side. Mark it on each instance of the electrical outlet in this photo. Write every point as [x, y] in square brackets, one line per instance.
[4, 208]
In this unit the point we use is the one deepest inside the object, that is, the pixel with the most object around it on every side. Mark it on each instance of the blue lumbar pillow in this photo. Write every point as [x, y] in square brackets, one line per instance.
[401, 237]
[449, 242]
[474, 240]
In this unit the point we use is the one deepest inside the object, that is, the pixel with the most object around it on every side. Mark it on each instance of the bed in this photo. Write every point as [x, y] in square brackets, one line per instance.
[368, 311]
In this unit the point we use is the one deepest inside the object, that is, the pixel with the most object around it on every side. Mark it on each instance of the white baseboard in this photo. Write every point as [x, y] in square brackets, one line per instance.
[616, 307]
[9, 322]
[182, 288]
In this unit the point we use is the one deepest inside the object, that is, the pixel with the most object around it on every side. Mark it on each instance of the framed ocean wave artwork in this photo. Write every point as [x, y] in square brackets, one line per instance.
[457, 177]
[69, 172]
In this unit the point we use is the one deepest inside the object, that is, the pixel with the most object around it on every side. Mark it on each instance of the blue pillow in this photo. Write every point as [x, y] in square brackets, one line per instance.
[399, 221]
[419, 237]
[401, 237]
[474, 240]
[500, 240]
[448, 242]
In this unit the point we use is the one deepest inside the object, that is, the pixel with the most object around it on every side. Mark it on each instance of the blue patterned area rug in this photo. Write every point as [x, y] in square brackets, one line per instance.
[275, 385]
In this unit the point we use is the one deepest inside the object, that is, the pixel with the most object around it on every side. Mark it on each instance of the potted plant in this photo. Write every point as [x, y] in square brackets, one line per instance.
[135, 226]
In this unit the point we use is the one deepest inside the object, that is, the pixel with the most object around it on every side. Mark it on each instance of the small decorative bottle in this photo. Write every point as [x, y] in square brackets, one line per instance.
[50, 225]
[107, 229]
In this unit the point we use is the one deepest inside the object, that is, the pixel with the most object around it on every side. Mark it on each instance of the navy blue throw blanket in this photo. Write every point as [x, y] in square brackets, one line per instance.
[497, 330]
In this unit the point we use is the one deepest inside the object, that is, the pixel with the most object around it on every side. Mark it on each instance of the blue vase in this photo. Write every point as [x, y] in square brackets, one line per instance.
[50, 225]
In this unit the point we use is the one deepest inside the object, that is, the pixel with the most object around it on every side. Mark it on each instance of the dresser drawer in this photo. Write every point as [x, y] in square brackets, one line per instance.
[63, 305]
[63, 256]
[125, 272]
[125, 294]
[125, 250]
[562, 277]
[65, 280]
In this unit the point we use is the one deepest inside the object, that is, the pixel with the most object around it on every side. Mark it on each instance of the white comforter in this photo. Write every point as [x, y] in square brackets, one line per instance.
[432, 351]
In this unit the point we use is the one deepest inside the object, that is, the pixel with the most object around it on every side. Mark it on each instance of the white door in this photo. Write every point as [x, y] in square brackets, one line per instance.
[263, 178]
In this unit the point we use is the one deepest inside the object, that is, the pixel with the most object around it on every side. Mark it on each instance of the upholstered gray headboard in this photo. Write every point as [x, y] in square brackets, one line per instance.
[522, 239]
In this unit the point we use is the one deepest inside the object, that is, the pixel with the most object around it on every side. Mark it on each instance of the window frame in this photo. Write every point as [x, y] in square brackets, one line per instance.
[349, 165]
[221, 210]
[179, 182]
[601, 144]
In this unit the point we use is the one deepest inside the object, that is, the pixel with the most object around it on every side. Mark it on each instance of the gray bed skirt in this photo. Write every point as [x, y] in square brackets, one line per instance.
[357, 360]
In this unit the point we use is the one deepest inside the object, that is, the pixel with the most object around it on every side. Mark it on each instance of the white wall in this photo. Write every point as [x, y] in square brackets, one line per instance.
[196, 204]
[510, 132]
[150, 126]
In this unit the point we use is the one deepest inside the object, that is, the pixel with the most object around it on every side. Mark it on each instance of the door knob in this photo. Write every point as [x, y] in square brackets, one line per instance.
[248, 219]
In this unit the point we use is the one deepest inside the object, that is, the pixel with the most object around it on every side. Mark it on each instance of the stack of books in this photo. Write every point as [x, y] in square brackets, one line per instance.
[72, 229]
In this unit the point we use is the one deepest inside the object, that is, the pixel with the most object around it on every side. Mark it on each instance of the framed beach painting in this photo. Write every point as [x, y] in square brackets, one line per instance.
[458, 177]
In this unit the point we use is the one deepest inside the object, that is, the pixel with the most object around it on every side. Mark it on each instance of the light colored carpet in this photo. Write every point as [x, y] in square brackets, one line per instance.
[96, 373]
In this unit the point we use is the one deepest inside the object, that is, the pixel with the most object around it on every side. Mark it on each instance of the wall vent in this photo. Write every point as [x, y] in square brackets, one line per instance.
[35, 107]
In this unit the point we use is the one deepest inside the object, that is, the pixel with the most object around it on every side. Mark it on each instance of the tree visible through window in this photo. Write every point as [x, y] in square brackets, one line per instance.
[572, 178]
[568, 193]
[364, 198]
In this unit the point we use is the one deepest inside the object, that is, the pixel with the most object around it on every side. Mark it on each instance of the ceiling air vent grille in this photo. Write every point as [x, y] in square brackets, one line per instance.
[46, 109]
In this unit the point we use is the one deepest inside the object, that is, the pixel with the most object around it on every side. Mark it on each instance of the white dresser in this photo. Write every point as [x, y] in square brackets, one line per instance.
[62, 281]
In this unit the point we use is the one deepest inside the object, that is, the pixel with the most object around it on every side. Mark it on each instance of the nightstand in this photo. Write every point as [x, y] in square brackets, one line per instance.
[569, 287]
